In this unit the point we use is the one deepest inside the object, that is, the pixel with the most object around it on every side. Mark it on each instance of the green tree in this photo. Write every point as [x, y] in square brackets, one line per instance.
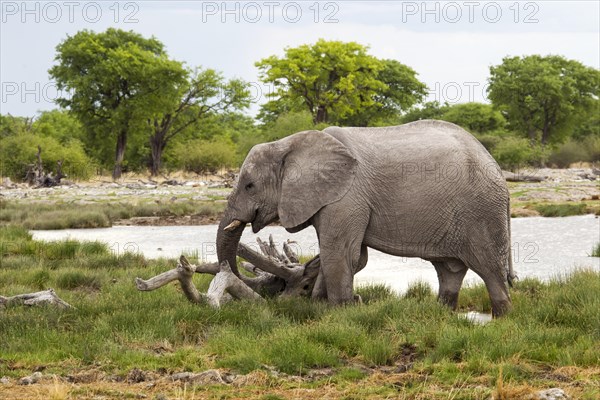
[114, 81]
[60, 125]
[402, 91]
[428, 110]
[337, 83]
[475, 117]
[11, 125]
[543, 97]
[205, 92]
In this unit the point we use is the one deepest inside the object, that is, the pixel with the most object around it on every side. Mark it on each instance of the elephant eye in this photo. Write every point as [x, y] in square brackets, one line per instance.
[249, 186]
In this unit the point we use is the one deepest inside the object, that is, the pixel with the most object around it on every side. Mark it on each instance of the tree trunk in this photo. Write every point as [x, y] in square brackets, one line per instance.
[120, 154]
[157, 146]
[321, 114]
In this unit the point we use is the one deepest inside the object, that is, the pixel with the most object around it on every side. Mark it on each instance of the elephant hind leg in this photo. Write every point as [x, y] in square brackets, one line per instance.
[494, 276]
[450, 276]
[498, 290]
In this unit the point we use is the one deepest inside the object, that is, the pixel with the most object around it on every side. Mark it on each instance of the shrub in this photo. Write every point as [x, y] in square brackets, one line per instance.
[489, 141]
[592, 145]
[475, 117]
[287, 124]
[569, 153]
[17, 152]
[202, 156]
[513, 152]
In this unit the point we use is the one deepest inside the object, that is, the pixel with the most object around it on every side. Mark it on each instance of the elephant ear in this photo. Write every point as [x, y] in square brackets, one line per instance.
[317, 169]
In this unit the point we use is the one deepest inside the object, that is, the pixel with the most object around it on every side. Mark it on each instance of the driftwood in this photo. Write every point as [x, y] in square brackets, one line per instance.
[274, 273]
[36, 177]
[35, 299]
[522, 177]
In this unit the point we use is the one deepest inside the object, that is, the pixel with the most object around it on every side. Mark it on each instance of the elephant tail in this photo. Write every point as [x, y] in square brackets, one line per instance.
[511, 277]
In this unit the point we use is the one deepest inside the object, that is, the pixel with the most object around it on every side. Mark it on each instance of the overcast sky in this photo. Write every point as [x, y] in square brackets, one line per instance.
[450, 44]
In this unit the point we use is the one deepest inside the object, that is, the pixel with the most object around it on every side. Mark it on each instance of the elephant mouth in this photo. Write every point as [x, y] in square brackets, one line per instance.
[256, 221]
[259, 223]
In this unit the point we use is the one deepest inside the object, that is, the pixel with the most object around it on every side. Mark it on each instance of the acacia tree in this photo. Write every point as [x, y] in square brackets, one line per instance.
[204, 92]
[543, 97]
[338, 82]
[113, 81]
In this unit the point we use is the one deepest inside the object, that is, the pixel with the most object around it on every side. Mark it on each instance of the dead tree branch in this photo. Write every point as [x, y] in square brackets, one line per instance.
[274, 273]
[34, 299]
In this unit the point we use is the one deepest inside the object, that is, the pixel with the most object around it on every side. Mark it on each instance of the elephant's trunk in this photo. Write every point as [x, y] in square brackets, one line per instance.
[228, 238]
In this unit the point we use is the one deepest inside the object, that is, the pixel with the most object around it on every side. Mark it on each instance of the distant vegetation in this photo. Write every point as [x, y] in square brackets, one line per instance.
[128, 106]
[68, 215]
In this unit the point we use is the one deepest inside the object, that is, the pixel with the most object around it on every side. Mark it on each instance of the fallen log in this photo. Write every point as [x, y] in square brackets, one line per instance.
[34, 299]
[522, 177]
[274, 273]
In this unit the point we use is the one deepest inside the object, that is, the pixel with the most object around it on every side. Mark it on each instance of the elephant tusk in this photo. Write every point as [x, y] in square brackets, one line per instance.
[233, 225]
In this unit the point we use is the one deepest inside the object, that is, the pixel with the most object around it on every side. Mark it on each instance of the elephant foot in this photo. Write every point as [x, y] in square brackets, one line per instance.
[500, 307]
[449, 299]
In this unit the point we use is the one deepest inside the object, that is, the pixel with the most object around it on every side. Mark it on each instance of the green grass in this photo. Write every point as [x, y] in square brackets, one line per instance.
[59, 215]
[117, 328]
[562, 210]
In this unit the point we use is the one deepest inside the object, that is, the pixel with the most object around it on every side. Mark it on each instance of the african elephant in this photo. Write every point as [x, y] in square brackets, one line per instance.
[425, 189]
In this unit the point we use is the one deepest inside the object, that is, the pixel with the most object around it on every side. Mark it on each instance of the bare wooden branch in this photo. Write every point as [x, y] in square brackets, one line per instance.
[291, 255]
[35, 174]
[173, 275]
[522, 177]
[226, 282]
[34, 299]
[275, 273]
[186, 272]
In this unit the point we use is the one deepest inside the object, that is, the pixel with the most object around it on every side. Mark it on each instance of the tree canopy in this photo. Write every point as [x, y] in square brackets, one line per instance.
[543, 97]
[114, 81]
[338, 83]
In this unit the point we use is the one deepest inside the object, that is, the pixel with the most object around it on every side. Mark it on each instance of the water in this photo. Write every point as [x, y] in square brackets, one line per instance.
[542, 247]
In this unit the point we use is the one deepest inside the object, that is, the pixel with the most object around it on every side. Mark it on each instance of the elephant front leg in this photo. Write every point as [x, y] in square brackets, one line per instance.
[337, 276]
[320, 289]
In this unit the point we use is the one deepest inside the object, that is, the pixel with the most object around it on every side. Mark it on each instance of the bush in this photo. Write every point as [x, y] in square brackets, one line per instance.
[475, 117]
[287, 124]
[570, 152]
[17, 152]
[592, 145]
[489, 141]
[513, 152]
[203, 157]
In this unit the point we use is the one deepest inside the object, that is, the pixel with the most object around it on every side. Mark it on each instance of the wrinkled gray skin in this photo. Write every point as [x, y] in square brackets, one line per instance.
[425, 189]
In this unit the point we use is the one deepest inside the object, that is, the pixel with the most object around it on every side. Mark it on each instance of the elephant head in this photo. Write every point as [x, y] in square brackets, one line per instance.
[290, 179]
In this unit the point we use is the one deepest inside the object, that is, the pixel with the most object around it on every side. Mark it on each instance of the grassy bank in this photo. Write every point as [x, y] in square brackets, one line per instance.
[63, 215]
[391, 346]
[549, 209]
